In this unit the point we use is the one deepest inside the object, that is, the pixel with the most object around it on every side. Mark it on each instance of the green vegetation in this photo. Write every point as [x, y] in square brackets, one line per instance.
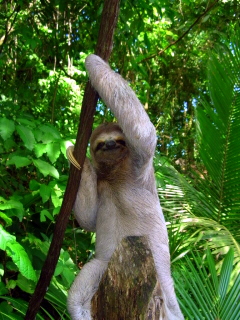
[183, 60]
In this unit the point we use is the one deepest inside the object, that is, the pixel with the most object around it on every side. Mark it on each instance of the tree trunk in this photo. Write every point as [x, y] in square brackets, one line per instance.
[129, 289]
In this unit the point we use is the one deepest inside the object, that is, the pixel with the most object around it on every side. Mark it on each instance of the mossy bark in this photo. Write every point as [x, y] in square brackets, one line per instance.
[129, 289]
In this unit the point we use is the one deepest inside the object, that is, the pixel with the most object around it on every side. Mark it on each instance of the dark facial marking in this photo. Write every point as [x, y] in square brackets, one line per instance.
[110, 144]
[122, 142]
[100, 146]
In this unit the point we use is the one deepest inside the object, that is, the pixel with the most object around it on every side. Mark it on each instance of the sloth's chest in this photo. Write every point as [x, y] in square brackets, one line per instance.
[125, 200]
[126, 212]
[114, 198]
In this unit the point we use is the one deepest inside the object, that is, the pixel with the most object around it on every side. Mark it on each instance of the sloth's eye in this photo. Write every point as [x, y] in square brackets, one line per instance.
[122, 142]
[99, 146]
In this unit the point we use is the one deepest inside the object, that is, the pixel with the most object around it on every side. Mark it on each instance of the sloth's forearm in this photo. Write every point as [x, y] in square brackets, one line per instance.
[123, 102]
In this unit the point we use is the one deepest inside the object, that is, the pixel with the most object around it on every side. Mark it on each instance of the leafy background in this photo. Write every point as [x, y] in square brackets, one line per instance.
[182, 59]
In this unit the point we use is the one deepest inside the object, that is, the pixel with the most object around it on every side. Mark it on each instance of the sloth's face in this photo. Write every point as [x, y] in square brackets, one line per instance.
[108, 145]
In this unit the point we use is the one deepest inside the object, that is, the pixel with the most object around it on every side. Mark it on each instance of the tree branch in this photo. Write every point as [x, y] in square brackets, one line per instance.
[8, 29]
[103, 49]
[209, 8]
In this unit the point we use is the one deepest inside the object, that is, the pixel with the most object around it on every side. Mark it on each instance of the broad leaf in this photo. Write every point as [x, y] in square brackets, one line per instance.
[19, 161]
[50, 134]
[45, 192]
[7, 128]
[26, 136]
[18, 254]
[12, 204]
[46, 169]
[53, 151]
[40, 149]
[45, 213]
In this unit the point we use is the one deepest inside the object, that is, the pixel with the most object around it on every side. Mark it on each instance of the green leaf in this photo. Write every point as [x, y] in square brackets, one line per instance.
[50, 133]
[19, 305]
[27, 122]
[225, 275]
[34, 185]
[25, 284]
[231, 305]
[208, 208]
[53, 151]
[46, 169]
[45, 213]
[56, 198]
[11, 284]
[146, 41]
[56, 296]
[26, 136]
[18, 254]
[198, 290]
[11, 204]
[19, 161]
[9, 144]
[5, 307]
[45, 192]
[3, 290]
[1, 270]
[40, 149]
[21, 259]
[11, 266]
[7, 220]
[59, 268]
[10, 316]
[56, 210]
[7, 128]
[213, 271]
[219, 135]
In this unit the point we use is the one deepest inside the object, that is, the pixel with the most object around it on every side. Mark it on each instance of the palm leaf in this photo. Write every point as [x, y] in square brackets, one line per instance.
[206, 293]
[191, 216]
[218, 127]
[210, 203]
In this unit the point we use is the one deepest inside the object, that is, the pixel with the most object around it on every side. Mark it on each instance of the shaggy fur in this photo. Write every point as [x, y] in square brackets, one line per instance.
[117, 195]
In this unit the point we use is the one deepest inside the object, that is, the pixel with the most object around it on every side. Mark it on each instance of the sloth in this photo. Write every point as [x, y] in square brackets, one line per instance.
[117, 196]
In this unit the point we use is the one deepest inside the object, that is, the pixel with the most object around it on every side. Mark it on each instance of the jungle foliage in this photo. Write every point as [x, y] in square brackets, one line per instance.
[183, 60]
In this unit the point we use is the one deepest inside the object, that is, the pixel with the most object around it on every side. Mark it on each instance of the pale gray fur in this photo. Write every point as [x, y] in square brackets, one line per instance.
[128, 207]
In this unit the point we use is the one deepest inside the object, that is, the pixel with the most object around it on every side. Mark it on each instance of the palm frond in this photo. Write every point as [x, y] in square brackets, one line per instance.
[218, 127]
[205, 292]
[210, 203]
[190, 216]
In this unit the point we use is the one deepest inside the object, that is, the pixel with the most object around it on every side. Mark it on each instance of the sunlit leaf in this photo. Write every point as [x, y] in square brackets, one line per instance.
[18, 254]
[46, 169]
[7, 128]
[26, 136]
[19, 161]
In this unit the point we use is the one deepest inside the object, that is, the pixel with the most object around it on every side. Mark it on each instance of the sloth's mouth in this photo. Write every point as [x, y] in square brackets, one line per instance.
[111, 148]
[110, 145]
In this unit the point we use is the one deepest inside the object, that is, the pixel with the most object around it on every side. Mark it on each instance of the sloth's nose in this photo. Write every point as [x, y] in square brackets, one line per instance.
[110, 144]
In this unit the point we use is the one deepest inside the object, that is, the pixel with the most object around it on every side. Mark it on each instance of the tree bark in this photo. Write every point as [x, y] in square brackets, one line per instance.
[129, 289]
